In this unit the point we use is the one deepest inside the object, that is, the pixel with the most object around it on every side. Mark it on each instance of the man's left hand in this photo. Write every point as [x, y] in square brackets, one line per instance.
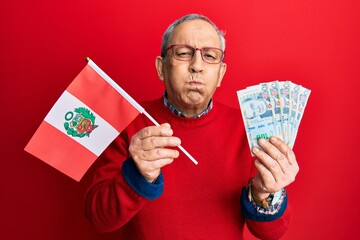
[277, 167]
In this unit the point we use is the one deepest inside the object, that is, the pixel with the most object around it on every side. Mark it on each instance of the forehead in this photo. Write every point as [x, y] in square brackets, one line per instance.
[195, 32]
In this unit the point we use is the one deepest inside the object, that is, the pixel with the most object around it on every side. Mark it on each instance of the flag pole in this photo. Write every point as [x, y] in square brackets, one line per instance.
[132, 101]
[180, 147]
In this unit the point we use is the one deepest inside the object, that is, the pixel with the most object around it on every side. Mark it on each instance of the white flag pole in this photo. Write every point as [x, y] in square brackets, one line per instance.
[132, 101]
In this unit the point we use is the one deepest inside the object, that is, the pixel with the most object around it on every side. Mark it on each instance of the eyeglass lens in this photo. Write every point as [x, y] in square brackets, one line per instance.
[186, 53]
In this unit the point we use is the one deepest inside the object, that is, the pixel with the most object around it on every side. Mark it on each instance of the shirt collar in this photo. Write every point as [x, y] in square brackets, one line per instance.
[173, 109]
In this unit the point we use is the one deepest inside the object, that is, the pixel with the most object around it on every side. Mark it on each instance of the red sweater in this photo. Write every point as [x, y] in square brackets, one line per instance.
[198, 201]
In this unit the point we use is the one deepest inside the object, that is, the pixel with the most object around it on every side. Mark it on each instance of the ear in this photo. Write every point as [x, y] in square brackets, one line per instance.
[159, 64]
[222, 71]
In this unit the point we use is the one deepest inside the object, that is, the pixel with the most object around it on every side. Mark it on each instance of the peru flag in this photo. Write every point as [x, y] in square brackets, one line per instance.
[87, 117]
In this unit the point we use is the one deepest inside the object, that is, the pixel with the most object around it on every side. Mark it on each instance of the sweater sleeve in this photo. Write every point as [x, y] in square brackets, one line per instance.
[265, 226]
[262, 225]
[139, 183]
[118, 192]
[270, 230]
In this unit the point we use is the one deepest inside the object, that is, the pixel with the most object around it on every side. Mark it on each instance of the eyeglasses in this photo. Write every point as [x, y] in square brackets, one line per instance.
[186, 53]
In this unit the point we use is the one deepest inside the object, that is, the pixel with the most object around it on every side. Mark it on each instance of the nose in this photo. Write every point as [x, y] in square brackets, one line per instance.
[196, 63]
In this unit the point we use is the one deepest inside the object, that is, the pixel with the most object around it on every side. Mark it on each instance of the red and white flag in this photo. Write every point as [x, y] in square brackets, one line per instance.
[87, 117]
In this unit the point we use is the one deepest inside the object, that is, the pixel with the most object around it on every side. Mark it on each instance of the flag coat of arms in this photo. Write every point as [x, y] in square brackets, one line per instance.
[87, 117]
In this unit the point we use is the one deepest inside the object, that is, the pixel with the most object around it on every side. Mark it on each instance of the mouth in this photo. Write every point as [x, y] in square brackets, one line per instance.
[195, 86]
[196, 83]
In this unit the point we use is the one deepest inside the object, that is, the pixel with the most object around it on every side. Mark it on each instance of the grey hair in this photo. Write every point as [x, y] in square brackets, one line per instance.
[170, 30]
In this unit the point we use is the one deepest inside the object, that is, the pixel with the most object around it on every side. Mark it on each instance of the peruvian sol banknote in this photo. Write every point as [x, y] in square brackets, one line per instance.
[273, 109]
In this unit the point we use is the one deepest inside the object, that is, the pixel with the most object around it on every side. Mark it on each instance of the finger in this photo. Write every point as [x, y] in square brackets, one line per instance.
[270, 163]
[266, 176]
[160, 142]
[276, 154]
[158, 153]
[162, 130]
[150, 170]
[284, 149]
[290, 156]
[284, 156]
[158, 164]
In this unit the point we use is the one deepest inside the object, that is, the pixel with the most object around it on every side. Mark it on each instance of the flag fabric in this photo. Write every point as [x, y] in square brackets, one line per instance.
[87, 117]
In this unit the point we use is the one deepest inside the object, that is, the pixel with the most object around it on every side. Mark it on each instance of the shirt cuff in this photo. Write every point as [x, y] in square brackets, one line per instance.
[251, 210]
[139, 184]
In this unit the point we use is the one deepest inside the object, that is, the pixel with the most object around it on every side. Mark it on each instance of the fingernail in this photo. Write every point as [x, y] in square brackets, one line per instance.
[274, 139]
[261, 140]
[166, 125]
[255, 149]
[168, 131]
[177, 154]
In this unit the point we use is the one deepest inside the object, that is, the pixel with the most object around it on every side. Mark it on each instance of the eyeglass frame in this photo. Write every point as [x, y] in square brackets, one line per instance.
[200, 49]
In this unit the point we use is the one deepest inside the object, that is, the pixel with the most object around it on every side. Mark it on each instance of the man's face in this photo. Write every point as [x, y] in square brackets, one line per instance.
[191, 84]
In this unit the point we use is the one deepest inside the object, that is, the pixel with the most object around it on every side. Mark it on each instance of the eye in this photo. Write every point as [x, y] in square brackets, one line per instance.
[183, 52]
[212, 54]
[209, 55]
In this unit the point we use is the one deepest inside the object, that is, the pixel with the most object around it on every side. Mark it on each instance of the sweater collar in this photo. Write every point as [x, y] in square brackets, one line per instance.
[176, 111]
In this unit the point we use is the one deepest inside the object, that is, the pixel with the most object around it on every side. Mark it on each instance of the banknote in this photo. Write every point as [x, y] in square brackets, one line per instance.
[273, 109]
[302, 101]
[275, 99]
[285, 102]
[258, 114]
[294, 93]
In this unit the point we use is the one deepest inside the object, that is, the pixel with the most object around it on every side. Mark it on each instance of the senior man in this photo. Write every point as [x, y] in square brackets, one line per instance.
[149, 190]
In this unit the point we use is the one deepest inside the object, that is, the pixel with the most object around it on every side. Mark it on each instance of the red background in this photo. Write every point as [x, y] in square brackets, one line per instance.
[311, 42]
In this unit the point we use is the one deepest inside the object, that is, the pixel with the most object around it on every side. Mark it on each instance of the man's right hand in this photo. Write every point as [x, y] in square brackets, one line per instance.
[149, 152]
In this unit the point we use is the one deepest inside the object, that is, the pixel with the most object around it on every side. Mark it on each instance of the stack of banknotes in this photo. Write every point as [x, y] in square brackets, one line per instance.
[273, 109]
